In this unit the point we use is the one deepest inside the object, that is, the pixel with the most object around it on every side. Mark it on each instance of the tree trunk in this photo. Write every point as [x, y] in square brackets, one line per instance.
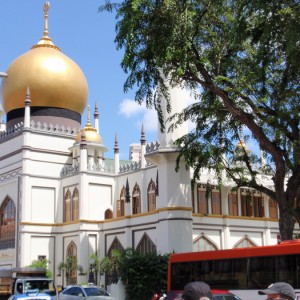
[286, 224]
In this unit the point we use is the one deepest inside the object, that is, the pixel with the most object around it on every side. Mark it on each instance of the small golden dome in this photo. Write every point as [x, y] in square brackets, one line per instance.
[90, 132]
[91, 135]
[54, 79]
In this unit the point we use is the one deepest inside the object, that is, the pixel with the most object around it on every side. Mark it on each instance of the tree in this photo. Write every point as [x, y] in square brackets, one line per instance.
[240, 60]
[143, 274]
[69, 266]
[111, 266]
[42, 264]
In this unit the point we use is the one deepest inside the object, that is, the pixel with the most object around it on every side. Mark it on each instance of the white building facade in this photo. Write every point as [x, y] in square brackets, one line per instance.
[60, 196]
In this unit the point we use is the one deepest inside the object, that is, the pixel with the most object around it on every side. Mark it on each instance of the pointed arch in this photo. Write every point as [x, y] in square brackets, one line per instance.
[146, 245]
[108, 214]
[72, 256]
[115, 245]
[203, 243]
[75, 205]
[151, 195]
[136, 200]
[7, 223]
[121, 203]
[67, 206]
[245, 242]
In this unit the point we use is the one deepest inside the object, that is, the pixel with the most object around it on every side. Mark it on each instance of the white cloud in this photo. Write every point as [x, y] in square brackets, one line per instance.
[150, 120]
[129, 108]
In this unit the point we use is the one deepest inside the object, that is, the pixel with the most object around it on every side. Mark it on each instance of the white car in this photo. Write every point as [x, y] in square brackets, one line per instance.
[31, 295]
[77, 292]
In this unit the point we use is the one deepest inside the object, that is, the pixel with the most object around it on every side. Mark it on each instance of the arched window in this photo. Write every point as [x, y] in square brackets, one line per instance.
[108, 214]
[202, 243]
[115, 245]
[273, 209]
[71, 261]
[121, 203]
[7, 224]
[146, 245]
[75, 205]
[136, 200]
[233, 203]
[245, 242]
[202, 201]
[71, 206]
[151, 196]
[113, 253]
[67, 206]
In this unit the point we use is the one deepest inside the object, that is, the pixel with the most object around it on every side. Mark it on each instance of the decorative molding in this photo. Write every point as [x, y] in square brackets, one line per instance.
[10, 175]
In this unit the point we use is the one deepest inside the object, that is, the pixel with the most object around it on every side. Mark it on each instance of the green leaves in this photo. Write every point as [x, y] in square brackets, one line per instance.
[241, 58]
[144, 274]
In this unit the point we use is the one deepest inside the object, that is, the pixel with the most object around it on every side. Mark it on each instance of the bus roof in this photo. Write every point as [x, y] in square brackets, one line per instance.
[285, 247]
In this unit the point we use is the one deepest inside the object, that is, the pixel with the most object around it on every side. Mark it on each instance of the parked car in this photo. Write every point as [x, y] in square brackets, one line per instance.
[89, 292]
[31, 295]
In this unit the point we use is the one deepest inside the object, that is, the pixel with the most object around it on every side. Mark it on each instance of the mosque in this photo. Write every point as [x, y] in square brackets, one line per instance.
[60, 196]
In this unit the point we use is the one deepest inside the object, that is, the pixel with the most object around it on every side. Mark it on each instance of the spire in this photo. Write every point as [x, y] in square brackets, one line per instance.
[83, 143]
[127, 195]
[96, 117]
[143, 136]
[89, 116]
[117, 156]
[96, 113]
[116, 148]
[46, 41]
[156, 186]
[143, 147]
[27, 109]
[27, 99]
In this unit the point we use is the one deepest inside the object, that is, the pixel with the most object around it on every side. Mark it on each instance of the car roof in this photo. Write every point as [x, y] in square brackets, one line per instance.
[216, 292]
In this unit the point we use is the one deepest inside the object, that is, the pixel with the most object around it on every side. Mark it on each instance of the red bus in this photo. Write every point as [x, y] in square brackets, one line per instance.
[243, 271]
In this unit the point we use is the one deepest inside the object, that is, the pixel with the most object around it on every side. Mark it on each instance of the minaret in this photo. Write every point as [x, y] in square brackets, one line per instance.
[117, 155]
[27, 109]
[2, 113]
[143, 147]
[83, 152]
[178, 100]
[96, 117]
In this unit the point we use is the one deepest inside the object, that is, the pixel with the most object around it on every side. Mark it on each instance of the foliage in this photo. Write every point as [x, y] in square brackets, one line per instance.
[69, 265]
[240, 60]
[111, 266]
[143, 274]
[43, 264]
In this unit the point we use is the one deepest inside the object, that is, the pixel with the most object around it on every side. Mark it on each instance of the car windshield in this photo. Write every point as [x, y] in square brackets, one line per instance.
[44, 286]
[93, 291]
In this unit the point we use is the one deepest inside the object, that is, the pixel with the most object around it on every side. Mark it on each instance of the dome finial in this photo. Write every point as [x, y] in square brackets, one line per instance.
[46, 9]
[46, 41]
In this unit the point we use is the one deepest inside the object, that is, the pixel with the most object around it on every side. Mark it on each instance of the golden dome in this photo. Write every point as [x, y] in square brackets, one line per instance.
[54, 79]
[91, 135]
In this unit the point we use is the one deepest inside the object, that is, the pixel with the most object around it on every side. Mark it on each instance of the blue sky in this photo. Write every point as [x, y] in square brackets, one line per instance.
[87, 37]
